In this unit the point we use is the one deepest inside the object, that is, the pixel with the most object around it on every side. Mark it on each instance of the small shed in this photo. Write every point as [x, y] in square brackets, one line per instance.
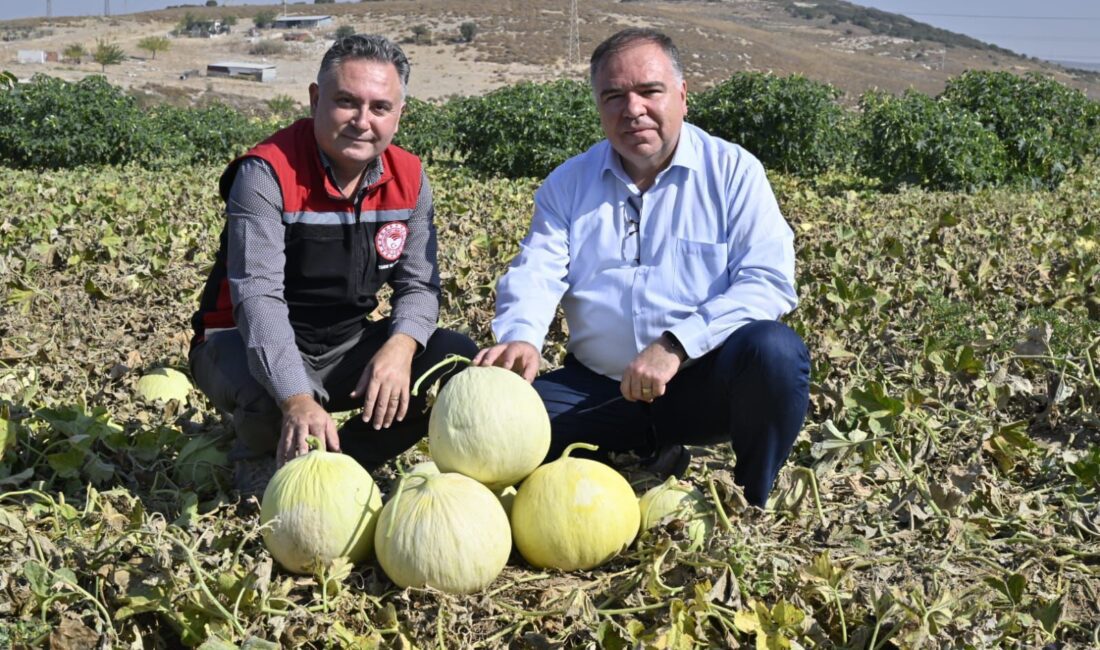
[254, 71]
[301, 22]
[32, 56]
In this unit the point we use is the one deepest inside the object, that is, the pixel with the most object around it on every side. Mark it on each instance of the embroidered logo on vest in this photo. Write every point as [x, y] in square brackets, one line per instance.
[390, 240]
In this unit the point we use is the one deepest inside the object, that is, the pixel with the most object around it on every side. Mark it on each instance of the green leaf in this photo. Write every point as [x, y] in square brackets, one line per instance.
[189, 510]
[8, 431]
[1049, 615]
[67, 463]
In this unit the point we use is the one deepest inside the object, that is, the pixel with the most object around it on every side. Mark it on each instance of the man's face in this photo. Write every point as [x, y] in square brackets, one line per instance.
[356, 108]
[642, 107]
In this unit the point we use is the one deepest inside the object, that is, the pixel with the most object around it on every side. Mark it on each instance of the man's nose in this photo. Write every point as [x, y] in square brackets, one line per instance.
[635, 106]
[361, 120]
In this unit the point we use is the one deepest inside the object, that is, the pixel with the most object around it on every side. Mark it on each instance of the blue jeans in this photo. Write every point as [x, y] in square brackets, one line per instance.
[752, 392]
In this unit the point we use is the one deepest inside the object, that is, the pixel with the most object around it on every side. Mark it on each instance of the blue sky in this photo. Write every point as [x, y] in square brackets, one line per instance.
[1060, 30]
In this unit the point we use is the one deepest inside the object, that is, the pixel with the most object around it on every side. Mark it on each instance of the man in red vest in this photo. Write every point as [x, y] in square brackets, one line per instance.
[319, 217]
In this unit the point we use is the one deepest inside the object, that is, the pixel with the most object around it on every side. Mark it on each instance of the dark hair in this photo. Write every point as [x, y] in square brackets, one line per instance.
[629, 37]
[372, 47]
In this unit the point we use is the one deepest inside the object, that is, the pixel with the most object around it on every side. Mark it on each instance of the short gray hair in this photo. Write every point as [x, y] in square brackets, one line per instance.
[629, 37]
[371, 47]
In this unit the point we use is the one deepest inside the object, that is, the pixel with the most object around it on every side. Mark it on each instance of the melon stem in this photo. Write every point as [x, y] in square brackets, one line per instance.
[577, 445]
[449, 359]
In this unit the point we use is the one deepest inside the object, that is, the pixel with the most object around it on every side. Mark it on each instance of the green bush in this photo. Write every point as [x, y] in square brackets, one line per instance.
[212, 134]
[49, 123]
[791, 124]
[916, 140]
[426, 129]
[526, 129]
[1046, 127]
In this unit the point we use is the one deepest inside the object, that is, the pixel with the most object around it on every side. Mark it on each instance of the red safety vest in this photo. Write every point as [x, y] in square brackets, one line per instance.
[339, 253]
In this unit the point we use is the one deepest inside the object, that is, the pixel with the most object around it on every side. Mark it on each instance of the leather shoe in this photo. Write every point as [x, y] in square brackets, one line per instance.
[670, 460]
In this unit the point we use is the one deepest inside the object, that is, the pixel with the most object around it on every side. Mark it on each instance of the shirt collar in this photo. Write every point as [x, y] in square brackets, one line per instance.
[373, 175]
[688, 155]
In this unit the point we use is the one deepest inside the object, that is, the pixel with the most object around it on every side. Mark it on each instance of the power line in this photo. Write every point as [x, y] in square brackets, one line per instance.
[573, 54]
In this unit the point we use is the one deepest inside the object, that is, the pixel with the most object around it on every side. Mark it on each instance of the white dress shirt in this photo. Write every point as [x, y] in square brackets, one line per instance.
[702, 252]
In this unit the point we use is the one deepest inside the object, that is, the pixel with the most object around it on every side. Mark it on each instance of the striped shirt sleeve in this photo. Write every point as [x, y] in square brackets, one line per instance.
[256, 257]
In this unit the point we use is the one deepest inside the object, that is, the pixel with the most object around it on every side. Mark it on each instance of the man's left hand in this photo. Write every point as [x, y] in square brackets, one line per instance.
[647, 376]
[384, 384]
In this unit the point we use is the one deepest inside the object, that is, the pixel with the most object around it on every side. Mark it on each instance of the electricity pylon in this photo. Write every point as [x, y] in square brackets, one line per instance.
[573, 54]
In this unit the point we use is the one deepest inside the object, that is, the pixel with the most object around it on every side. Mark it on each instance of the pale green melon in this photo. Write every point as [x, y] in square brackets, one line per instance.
[446, 531]
[489, 424]
[321, 506]
[164, 384]
[675, 499]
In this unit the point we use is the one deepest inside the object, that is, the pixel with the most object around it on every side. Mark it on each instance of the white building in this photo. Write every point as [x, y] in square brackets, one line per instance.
[255, 71]
[32, 56]
[301, 22]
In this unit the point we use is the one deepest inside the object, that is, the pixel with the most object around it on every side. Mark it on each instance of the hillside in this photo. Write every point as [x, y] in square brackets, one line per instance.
[848, 46]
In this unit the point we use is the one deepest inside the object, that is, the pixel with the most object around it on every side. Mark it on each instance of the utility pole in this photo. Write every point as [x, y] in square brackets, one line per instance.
[573, 53]
[49, 8]
[106, 7]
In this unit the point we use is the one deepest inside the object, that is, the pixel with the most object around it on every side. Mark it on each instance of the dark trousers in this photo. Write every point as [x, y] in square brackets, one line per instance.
[752, 392]
[219, 366]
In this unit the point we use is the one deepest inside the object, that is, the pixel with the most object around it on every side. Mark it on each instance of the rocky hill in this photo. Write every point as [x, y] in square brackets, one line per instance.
[851, 47]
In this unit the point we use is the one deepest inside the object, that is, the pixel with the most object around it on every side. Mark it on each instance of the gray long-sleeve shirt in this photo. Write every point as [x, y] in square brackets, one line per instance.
[255, 266]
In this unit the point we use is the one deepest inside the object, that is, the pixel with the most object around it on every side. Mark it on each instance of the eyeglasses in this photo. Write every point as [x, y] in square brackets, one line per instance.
[632, 245]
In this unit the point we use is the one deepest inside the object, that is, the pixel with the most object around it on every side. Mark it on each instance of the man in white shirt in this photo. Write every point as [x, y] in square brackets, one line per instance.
[672, 262]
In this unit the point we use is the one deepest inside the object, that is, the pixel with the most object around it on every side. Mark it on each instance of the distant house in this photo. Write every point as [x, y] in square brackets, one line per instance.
[31, 56]
[255, 71]
[206, 29]
[301, 22]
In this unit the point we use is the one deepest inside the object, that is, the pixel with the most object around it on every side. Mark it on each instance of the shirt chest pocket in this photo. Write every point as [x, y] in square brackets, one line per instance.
[700, 270]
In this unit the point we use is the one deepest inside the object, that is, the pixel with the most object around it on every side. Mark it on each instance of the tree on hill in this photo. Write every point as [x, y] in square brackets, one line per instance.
[107, 53]
[468, 31]
[264, 18]
[75, 52]
[154, 44]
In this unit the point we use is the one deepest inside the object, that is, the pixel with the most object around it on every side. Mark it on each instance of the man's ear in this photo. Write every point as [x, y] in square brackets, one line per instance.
[314, 94]
[684, 95]
[400, 112]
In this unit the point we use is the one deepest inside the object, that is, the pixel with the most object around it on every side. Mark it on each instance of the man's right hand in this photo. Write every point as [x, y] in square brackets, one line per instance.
[304, 417]
[517, 356]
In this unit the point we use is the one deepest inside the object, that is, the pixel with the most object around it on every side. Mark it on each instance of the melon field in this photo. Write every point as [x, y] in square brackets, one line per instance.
[943, 491]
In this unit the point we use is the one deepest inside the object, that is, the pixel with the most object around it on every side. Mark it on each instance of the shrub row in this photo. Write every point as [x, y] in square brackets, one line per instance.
[986, 128]
[54, 124]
